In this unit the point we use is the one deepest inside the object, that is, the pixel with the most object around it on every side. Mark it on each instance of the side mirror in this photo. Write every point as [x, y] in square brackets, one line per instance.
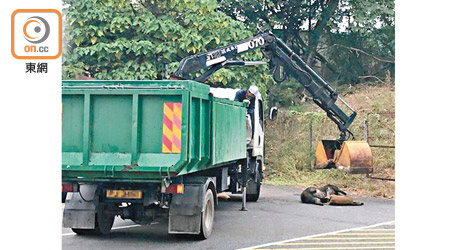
[273, 112]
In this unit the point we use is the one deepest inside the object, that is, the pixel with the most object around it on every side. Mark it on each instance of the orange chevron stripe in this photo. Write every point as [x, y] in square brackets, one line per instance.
[177, 109]
[175, 150]
[172, 114]
[167, 132]
[165, 149]
[176, 132]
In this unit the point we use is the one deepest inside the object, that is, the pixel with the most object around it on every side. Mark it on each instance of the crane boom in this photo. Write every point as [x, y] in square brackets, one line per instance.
[280, 55]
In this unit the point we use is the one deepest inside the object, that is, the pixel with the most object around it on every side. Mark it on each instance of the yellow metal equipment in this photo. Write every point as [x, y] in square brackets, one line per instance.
[353, 156]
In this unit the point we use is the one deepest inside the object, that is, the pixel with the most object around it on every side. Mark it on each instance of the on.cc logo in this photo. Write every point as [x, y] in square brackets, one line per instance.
[39, 30]
[36, 34]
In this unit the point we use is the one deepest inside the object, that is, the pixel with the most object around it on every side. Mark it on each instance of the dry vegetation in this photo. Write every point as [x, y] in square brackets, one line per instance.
[290, 155]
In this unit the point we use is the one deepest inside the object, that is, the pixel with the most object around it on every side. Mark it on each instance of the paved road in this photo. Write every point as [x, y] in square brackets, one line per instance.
[277, 216]
[378, 236]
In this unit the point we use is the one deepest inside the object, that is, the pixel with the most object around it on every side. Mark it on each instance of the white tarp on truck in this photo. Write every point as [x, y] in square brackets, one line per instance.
[226, 93]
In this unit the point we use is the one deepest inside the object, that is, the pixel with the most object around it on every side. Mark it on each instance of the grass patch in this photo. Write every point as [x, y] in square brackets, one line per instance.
[290, 151]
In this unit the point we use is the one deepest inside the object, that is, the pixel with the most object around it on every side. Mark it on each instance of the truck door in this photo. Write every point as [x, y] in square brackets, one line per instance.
[258, 136]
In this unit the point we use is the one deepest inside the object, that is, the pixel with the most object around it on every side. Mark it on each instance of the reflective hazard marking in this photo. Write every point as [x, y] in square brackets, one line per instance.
[171, 138]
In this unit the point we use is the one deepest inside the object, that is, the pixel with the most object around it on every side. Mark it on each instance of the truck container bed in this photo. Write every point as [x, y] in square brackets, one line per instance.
[143, 131]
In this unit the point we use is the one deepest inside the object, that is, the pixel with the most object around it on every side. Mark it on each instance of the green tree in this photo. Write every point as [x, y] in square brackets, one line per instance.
[347, 40]
[143, 39]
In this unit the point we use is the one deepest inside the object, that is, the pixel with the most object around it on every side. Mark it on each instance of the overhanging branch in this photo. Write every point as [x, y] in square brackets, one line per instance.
[365, 53]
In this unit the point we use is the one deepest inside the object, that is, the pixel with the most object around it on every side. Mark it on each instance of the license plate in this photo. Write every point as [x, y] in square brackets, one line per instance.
[124, 194]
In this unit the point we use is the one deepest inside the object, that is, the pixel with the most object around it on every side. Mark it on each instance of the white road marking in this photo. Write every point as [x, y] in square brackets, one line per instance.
[364, 234]
[336, 243]
[355, 238]
[378, 229]
[334, 248]
[316, 235]
[114, 228]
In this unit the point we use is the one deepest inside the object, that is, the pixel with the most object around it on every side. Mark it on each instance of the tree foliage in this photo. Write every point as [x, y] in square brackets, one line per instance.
[144, 39]
[347, 40]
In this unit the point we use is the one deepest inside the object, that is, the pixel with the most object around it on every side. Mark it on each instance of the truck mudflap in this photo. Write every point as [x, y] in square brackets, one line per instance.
[186, 209]
[79, 210]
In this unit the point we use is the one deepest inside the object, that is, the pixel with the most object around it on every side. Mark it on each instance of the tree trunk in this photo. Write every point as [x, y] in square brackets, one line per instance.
[328, 8]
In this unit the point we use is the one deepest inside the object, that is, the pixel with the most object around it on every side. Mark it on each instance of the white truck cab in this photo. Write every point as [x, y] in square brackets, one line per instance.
[255, 142]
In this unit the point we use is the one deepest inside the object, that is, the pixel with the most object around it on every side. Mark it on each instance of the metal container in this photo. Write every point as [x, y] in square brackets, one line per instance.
[355, 157]
[143, 131]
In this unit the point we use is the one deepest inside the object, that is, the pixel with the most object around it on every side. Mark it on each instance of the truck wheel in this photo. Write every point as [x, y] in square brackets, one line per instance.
[103, 224]
[207, 219]
[256, 185]
[103, 221]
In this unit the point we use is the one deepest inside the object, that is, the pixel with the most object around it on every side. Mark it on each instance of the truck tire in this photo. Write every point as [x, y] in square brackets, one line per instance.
[256, 185]
[103, 224]
[207, 218]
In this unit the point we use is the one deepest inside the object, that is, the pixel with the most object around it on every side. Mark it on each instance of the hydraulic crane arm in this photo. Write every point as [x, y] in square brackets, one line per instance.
[280, 55]
[215, 59]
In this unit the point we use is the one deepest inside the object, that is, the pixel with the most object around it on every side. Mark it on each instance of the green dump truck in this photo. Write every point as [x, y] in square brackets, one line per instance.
[136, 149]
